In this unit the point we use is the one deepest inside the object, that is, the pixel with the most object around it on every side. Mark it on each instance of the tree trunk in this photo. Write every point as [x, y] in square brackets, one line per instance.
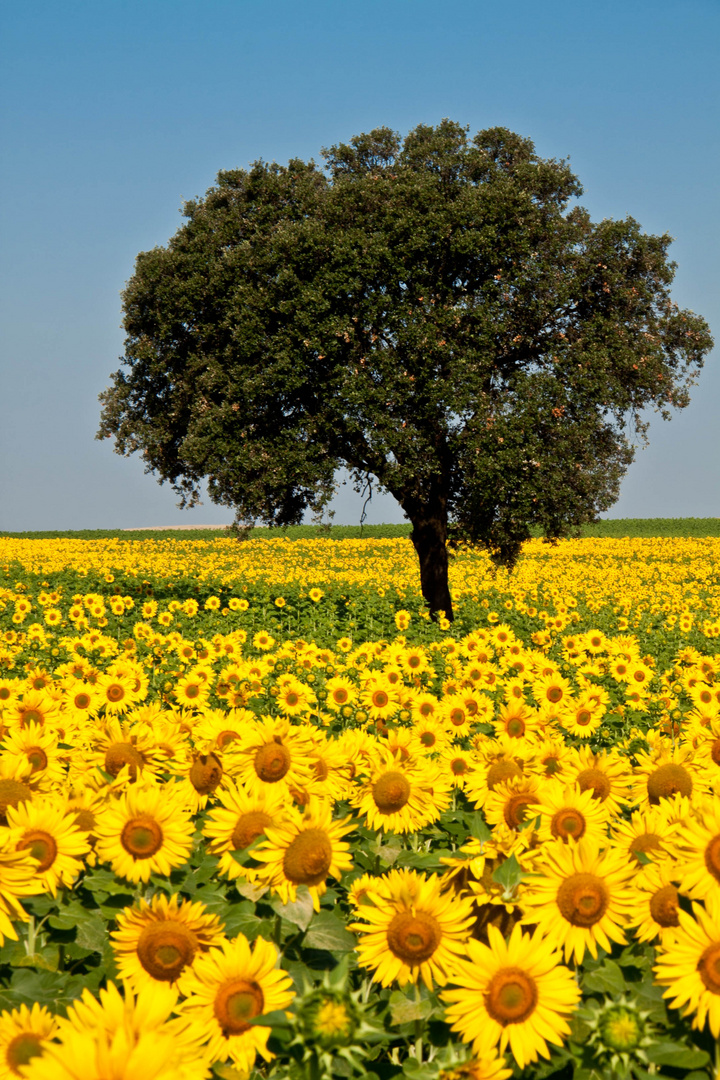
[429, 536]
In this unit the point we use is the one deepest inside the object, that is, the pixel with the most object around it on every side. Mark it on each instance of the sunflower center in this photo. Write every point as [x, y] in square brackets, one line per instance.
[511, 996]
[141, 837]
[516, 808]
[668, 780]
[82, 701]
[380, 699]
[709, 968]
[115, 692]
[551, 765]
[648, 841]
[583, 717]
[320, 769]
[583, 899]
[236, 1003]
[712, 857]
[515, 727]
[664, 906]
[165, 948]
[226, 737]
[84, 819]
[459, 767]
[500, 771]
[391, 792]
[120, 754]
[340, 695]
[554, 694]
[272, 762]
[37, 758]
[248, 827]
[457, 717]
[413, 938]
[307, 859]
[41, 846]
[428, 738]
[205, 774]
[568, 823]
[21, 1050]
[12, 792]
[595, 779]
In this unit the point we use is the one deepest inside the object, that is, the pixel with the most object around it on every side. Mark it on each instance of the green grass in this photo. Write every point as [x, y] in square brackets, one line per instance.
[618, 527]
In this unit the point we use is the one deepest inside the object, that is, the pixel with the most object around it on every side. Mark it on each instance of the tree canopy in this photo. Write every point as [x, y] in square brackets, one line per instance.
[433, 311]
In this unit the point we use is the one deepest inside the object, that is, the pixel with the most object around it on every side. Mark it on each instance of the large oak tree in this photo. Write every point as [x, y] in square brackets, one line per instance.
[435, 312]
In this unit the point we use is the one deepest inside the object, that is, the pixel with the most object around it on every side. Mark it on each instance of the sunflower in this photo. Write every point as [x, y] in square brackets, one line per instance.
[582, 717]
[23, 1035]
[551, 689]
[158, 941]
[648, 833]
[567, 813]
[551, 759]
[514, 803]
[454, 712]
[606, 773]
[379, 698]
[39, 746]
[304, 849]
[228, 987]
[123, 1038]
[689, 966]
[222, 728]
[192, 690]
[273, 754]
[699, 845]
[412, 930]
[145, 831]
[52, 838]
[657, 902]
[456, 765]
[240, 818]
[340, 691]
[486, 1067]
[116, 745]
[499, 760]
[516, 719]
[666, 771]
[117, 692]
[579, 896]
[515, 994]
[18, 877]
[399, 797]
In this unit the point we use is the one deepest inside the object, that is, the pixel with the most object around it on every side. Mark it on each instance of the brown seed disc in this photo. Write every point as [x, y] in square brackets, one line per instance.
[502, 770]
[272, 762]
[141, 837]
[308, 858]
[712, 857]
[320, 769]
[248, 827]
[226, 737]
[668, 780]
[391, 792]
[597, 780]
[165, 948]
[84, 819]
[380, 699]
[516, 808]
[41, 845]
[583, 899]
[515, 727]
[31, 716]
[37, 758]
[664, 906]
[648, 841]
[413, 938]
[554, 694]
[428, 738]
[551, 766]
[115, 692]
[708, 968]
[583, 717]
[236, 1003]
[568, 824]
[123, 753]
[340, 695]
[21, 1050]
[205, 774]
[12, 793]
[511, 996]
[715, 751]
[459, 767]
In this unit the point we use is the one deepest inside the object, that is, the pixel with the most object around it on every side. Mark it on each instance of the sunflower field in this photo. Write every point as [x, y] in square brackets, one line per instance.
[260, 816]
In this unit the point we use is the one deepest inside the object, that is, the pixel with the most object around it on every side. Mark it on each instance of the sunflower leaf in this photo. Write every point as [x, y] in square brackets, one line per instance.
[677, 1057]
[299, 912]
[509, 874]
[328, 932]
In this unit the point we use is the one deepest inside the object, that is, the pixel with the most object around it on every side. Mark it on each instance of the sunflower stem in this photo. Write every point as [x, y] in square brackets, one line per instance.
[418, 1027]
[277, 931]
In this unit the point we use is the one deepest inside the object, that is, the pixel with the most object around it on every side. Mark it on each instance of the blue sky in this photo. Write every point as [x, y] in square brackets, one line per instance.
[112, 113]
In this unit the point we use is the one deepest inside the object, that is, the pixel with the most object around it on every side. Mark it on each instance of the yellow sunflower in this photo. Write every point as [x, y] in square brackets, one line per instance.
[52, 838]
[273, 753]
[607, 773]
[517, 720]
[228, 987]
[514, 803]
[485, 1067]
[340, 691]
[400, 797]
[699, 845]
[667, 771]
[579, 896]
[144, 831]
[240, 818]
[689, 966]
[18, 877]
[38, 746]
[567, 813]
[648, 832]
[157, 942]
[514, 994]
[304, 849]
[412, 930]
[23, 1035]
[657, 902]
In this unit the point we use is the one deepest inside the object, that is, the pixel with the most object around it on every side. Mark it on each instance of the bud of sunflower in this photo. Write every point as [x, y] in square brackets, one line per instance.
[619, 1033]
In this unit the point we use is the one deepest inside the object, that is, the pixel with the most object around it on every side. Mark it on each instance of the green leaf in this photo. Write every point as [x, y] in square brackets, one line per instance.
[299, 912]
[509, 874]
[477, 826]
[92, 933]
[327, 931]
[677, 1057]
[607, 979]
[405, 1010]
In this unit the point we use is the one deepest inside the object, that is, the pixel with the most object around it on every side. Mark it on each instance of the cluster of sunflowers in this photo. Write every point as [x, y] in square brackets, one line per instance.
[442, 859]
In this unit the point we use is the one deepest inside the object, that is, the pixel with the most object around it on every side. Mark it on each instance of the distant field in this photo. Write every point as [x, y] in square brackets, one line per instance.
[620, 527]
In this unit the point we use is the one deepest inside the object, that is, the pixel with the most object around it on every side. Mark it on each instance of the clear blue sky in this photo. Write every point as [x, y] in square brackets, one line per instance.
[114, 112]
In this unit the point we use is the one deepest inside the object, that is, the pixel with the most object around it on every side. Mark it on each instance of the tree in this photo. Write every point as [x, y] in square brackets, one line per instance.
[431, 312]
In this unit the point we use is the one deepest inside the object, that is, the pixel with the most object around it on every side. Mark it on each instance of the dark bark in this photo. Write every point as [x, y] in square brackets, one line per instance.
[429, 537]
